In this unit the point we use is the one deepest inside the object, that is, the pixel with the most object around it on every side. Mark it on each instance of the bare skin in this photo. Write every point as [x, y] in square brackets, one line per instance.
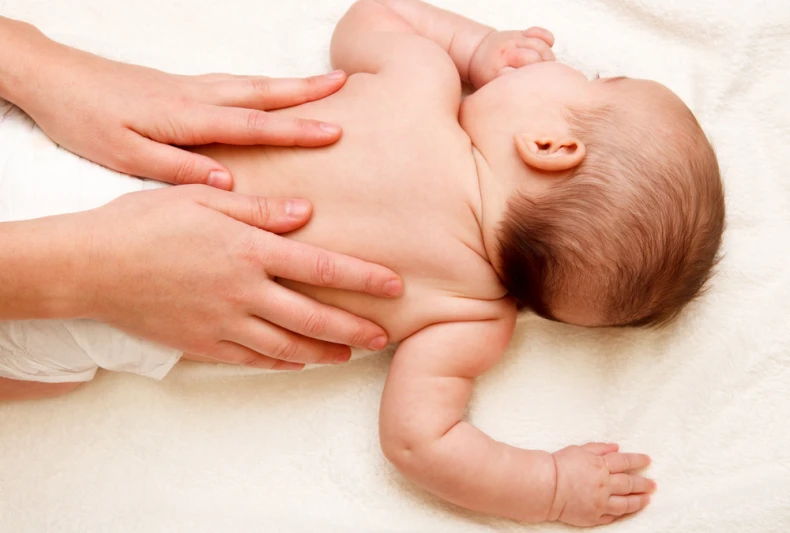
[409, 188]
[210, 299]
[402, 188]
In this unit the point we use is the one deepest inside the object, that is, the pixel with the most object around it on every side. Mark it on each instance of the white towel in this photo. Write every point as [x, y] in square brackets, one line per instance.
[38, 178]
[708, 397]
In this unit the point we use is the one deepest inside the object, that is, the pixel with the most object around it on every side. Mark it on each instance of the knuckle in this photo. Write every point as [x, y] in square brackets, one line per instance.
[249, 246]
[184, 170]
[249, 359]
[183, 102]
[285, 351]
[315, 324]
[261, 210]
[256, 121]
[303, 126]
[324, 271]
[360, 336]
[262, 86]
[369, 283]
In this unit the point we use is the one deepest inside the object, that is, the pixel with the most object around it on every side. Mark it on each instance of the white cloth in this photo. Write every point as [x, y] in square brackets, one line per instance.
[707, 397]
[38, 178]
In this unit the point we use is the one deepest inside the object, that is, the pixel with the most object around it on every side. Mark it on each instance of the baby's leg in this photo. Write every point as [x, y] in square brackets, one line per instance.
[13, 389]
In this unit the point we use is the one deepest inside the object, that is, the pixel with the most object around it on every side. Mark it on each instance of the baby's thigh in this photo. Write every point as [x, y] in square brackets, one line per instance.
[14, 389]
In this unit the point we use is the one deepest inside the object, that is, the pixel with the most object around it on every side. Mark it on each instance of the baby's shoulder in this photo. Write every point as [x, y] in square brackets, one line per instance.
[425, 71]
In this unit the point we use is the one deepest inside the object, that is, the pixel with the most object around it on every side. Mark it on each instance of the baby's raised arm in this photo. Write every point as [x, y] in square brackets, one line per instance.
[424, 434]
[371, 35]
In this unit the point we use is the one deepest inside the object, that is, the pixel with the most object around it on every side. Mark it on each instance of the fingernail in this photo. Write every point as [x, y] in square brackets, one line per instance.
[342, 358]
[219, 179]
[296, 208]
[393, 288]
[329, 128]
[336, 75]
[378, 343]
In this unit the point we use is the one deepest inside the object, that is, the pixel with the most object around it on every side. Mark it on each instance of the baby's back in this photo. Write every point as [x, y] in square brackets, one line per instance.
[399, 189]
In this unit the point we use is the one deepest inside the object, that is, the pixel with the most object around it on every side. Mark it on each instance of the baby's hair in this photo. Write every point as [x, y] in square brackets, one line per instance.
[632, 235]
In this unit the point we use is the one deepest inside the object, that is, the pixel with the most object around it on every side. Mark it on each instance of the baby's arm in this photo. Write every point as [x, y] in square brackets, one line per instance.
[423, 433]
[365, 40]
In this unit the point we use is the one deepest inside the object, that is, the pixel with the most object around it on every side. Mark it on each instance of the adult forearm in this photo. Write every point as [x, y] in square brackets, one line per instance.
[21, 47]
[40, 265]
[458, 35]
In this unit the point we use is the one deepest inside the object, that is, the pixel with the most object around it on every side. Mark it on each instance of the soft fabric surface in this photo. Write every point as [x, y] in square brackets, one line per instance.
[708, 397]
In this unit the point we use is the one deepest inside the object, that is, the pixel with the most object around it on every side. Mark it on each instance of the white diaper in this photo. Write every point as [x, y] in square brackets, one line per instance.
[38, 178]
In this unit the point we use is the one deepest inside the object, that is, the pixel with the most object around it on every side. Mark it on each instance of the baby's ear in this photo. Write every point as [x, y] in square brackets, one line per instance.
[548, 153]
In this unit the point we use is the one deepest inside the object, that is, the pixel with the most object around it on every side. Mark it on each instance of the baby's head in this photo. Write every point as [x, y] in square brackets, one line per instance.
[603, 205]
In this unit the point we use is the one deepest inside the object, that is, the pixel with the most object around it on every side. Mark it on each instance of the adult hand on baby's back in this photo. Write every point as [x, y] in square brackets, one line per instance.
[125, 117]
[191, 267]
[503, 51]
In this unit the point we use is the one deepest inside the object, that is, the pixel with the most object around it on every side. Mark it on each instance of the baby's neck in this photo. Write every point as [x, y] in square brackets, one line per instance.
[485, 206]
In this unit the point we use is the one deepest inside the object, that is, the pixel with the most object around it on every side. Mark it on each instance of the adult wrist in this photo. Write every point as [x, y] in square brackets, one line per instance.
[22, 60]
[43, 269]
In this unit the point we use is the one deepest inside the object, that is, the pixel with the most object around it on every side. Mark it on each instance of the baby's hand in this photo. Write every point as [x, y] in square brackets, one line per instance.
[594, 486]
[503, 51]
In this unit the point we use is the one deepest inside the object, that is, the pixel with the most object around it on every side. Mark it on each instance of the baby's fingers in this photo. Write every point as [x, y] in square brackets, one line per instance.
[620, 505]
[623, 462]
[521, 57]
[539, 46]
[540, 33]
[601, 448]
[624, 484]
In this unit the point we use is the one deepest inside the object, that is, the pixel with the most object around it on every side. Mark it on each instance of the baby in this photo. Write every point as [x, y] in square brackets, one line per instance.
[597, 203]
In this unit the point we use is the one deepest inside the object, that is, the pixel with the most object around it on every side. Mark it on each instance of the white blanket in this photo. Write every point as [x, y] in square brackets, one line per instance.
[708, 397]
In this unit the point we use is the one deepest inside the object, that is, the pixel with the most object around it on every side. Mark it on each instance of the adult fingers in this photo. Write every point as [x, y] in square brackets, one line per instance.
[620, 505]
[314, 266]
[269, 93]
[303, 315]
[623, 462]
[235, 354]
[623, 484]
[298, 261]
[273, 341]
[233, 125]
[277, 215]
[540, 33]
[149, 159]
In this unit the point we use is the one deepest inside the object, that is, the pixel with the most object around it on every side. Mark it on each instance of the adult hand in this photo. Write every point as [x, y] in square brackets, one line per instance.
[125, 117]
[190, 268]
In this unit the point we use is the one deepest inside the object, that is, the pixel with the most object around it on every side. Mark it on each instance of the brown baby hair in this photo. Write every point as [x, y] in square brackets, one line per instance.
[631, 236]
